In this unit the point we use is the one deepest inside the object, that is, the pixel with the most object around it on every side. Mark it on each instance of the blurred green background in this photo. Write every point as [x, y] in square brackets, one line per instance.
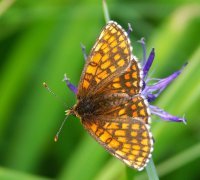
[40, 41]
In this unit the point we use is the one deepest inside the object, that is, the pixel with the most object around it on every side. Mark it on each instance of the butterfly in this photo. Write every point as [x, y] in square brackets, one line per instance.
[109, 101]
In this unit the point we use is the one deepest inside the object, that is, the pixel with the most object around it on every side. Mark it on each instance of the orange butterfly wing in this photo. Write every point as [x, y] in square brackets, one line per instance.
[136, 107]
[110, 56]
[128, 139]
[109, 104]
[129, 82]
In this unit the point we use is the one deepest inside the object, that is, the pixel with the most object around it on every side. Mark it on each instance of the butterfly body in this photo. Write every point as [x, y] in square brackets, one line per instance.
[109, 100]
[85, 107]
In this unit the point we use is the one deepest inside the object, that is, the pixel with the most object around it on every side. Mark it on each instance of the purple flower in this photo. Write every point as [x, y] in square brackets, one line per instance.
[152, 87]
[72, 87]
[152, 91]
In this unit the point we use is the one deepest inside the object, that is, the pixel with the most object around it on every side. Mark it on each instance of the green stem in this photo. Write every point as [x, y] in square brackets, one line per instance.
[151, 170]
[105, 10]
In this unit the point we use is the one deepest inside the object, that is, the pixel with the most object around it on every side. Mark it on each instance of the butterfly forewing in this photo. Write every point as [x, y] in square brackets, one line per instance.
[126, 138]
[129, 82]
[109, 57]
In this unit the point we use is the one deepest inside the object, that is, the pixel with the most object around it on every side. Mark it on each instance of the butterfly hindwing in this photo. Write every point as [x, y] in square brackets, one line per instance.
[135, 107]
[126, 138]
[120, 105]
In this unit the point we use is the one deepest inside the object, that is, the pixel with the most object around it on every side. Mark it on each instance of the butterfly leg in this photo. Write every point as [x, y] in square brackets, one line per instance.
[84, 52]
[166, 116]
[72, 87]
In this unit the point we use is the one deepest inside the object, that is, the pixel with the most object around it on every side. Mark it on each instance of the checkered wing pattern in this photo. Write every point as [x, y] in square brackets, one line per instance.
[130, 82]
[109, 57]
[110, 103]
[126, 138]
[122, 105]
[136, 107]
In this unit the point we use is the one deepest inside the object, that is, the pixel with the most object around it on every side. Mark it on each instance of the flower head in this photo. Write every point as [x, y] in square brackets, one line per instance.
[152, 90]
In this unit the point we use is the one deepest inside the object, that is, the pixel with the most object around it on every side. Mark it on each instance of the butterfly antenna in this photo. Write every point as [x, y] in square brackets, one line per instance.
[57, 134]
[57, 97]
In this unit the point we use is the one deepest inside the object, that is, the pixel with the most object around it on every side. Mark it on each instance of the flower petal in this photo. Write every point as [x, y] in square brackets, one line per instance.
[153, 91]
[70, 85]
[149, 62]
[166, 116]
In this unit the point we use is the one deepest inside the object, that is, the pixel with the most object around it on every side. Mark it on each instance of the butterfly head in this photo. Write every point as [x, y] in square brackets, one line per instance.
[69, 112]
[73, 111]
